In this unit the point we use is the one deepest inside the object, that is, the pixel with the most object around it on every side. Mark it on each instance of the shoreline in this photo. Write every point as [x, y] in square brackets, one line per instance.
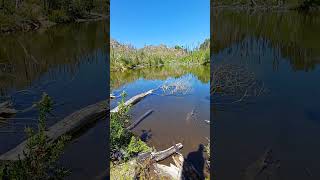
[44, 24]
[246, 7]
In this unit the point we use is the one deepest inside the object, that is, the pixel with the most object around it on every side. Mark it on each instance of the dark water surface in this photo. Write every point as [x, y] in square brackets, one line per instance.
[170, 123]
[283, 50]
[69, 62]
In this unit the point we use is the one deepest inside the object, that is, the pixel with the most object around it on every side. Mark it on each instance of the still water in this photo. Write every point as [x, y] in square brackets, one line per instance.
[69, 63]
[171, 121]
[282, 49]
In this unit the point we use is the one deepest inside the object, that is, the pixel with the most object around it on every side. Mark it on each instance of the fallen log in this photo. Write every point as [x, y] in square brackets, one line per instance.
[133, 100]
[181, 170]
[160, 155]
[172, 171]
[6, 109]
[134, 124]
[5, 104]
[68, 126]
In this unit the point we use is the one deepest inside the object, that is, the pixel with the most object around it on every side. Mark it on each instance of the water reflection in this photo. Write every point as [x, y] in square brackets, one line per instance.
[185, 112]
[69, 62]
[289, 35]
[282, 50]
[25, 57]
[160, 73]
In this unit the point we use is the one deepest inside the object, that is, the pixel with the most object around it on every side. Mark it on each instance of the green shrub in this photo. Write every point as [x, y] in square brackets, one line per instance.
[122, 139]
[6, 21]
[41, 156]
[30, 11]
[119, 136]
[59, 16]
[136, 146]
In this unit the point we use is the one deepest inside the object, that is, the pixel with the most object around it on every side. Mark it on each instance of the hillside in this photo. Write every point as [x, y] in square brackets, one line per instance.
[124, 56]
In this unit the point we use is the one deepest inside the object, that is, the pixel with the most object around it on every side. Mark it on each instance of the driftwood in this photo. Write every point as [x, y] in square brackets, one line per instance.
[160, 155]
[69, 125]
[172, 171]
[133, 100]
[6, 109]
[181, 170]
[134, 124]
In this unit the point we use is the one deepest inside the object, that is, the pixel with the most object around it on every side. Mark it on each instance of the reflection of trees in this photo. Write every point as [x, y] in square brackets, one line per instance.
[292, 35]
[161, 73]
[54, 48]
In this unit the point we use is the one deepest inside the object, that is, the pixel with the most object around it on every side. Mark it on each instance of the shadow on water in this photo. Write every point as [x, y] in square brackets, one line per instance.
[196, 160]
[146, 135]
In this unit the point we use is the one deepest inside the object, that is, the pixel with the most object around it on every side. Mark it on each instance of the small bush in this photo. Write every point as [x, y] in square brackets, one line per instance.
[119, 136]
[41, 156]
[59, 16]
[136, 146]
[121, 139]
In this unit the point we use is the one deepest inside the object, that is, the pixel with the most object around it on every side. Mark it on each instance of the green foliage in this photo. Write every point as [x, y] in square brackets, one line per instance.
[6, 21]
[136, 146]
[201, 56]
[59, 16]
[178, 47]
[308, 4]
[41, 156]
[28, 12]
[126, 57]
[120, 138]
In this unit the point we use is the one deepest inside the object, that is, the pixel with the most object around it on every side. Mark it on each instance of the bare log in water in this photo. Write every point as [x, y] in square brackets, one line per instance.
[69, 125]
[6, 109]
[160, 155]
[181, 170]
[134, 124]
[133, 100]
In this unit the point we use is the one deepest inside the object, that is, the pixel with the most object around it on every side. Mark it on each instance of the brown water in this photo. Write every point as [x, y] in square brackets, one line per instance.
[69, 62]
[283, 50]
[170, 123]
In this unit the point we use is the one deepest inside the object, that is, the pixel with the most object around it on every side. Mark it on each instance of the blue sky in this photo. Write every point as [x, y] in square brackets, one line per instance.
[154, 22]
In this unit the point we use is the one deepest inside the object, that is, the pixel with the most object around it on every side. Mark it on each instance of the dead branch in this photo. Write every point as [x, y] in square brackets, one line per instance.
[231, 83]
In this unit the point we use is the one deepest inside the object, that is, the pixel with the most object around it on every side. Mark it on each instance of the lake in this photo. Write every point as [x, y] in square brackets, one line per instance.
[282, 49]
[177, 117]
[69, 62]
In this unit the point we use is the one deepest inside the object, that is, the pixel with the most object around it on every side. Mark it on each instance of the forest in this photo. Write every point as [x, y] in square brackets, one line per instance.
[25, 15]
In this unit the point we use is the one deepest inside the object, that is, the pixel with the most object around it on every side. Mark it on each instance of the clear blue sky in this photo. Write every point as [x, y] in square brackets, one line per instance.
[154, 22]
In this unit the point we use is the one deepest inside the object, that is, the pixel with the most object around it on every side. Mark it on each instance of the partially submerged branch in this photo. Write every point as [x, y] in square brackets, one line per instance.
[233, 83]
